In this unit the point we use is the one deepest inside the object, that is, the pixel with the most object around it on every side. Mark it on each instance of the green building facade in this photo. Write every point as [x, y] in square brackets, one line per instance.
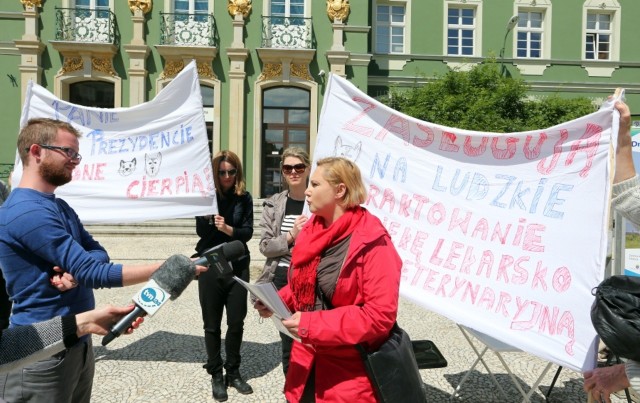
[263, 64]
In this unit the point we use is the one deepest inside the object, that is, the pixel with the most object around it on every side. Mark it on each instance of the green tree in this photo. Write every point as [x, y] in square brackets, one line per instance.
[482, 99]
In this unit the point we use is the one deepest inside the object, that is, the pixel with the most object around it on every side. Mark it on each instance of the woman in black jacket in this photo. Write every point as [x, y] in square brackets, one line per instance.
[234, 221]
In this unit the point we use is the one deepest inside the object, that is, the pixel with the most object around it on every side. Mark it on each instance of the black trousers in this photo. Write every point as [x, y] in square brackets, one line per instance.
[280, 279]
[217, 293]
[5, 304]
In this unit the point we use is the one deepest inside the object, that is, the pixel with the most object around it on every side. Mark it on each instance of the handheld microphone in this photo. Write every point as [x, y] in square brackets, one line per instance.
[220, 256]
[168, 282]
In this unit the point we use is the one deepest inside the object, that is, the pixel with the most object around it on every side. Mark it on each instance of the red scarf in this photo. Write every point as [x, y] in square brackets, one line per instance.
[310, 245]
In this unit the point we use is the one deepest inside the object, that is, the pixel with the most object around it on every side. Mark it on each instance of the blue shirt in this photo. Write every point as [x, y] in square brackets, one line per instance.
[37, 232]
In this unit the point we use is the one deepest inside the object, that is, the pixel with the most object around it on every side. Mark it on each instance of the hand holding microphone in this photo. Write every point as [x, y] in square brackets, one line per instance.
[219, 257]
[169, 281]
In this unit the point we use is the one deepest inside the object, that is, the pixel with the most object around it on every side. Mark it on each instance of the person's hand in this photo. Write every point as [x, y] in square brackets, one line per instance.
[293, 323]
[263, 311]
[200, 269]
[298, 224]
[602, 382]
[62, 280]
[99, 321]
[625, 167]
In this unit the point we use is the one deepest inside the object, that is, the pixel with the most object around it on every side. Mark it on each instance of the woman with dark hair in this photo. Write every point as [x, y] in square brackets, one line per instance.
[282, 220]
[234, 221]
[344, 283]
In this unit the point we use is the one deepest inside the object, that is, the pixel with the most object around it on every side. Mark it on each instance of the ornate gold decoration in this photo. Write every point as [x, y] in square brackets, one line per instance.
[144, 5]
[205, 70]
[31, 3]
[71, 64]
[172, 68]
[301, 71]
[338, 9]
[239, 6]
[103, 65]
[270, 70]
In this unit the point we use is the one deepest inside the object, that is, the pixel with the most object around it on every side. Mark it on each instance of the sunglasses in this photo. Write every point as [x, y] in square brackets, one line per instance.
[229, 173]
[68, 151]
[288, 169]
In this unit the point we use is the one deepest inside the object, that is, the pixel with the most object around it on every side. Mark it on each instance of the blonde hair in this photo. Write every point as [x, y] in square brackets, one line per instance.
[339, 170]
[233, 159]
[296, 152]
[41, 131]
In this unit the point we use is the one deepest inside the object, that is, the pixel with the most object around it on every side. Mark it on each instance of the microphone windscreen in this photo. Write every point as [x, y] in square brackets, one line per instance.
[175, 274]
[233, 250]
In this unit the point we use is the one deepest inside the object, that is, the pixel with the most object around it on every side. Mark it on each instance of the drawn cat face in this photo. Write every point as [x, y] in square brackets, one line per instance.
[152, 163]
[127, 167]
[345, 150]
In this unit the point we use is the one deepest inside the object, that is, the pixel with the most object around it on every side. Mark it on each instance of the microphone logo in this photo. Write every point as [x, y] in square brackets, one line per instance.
[151, 298]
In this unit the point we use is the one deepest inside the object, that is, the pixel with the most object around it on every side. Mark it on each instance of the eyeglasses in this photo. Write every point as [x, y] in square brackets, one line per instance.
[68, 151]
[229, 173]
[288, 169]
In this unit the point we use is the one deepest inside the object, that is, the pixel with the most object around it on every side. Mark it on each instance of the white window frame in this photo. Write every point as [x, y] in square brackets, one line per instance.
[595, 67]
[528, 30]
[169, 5]
[266, 8]
[406, 25]
[528, 65]
[598, 33]
[477, 27]
[611, 7]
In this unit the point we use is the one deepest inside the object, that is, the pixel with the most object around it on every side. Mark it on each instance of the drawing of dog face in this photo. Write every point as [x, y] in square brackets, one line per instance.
[348, 151]
[152, 163]
[127, 167]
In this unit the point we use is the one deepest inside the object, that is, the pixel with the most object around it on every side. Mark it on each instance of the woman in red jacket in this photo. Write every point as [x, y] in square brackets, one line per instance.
[343, 287]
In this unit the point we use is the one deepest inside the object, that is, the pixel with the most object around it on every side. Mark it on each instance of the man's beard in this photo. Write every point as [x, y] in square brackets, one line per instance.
[55, 174]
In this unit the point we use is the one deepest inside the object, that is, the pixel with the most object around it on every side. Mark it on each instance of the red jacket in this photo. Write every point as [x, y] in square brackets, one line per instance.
[365, 305]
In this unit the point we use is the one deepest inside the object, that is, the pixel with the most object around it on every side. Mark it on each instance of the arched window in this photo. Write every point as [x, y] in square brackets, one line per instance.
[285, 123]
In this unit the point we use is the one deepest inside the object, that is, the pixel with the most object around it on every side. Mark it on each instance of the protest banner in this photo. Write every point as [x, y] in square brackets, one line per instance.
[503, 233]
[146, 162]
[632, 237]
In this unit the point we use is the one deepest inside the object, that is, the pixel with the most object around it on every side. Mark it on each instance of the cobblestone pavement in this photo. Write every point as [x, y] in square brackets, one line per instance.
[162, 360]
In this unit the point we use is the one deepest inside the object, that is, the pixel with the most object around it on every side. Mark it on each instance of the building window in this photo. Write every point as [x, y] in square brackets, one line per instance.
[390, 28]
[461, 31]
[86, 21]
[287, 9]
[285, 123]
[198, 8]
[208, 105]
[598, 36]
[100, 7]
[529, 33]
[96, 94]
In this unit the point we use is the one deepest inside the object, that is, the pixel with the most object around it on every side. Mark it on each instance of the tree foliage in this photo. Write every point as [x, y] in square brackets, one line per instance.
[482, 99]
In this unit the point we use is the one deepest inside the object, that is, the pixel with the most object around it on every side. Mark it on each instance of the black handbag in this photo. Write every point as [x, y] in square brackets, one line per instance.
[393, 369]
[615, 315]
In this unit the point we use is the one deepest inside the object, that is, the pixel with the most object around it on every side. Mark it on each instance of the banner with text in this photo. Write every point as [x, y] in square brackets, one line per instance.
[504, 233]
[146, 162]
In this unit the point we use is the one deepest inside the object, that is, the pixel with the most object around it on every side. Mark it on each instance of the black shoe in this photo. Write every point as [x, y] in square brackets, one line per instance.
[218, 388]
[237, 382]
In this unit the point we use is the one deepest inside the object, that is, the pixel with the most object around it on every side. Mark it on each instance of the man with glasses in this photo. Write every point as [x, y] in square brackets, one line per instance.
[40, 237]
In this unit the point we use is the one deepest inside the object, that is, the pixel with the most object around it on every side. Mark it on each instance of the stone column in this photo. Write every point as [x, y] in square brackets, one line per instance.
[338, 55]
[138, 52]
[30, 49]
[237, 54]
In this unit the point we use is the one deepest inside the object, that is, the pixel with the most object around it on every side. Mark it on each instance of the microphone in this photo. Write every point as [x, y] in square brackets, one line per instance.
[220, 256]
[168, 282]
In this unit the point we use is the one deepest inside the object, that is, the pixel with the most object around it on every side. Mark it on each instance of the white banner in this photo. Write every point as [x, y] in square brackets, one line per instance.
[146, 162]
[504, 233]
